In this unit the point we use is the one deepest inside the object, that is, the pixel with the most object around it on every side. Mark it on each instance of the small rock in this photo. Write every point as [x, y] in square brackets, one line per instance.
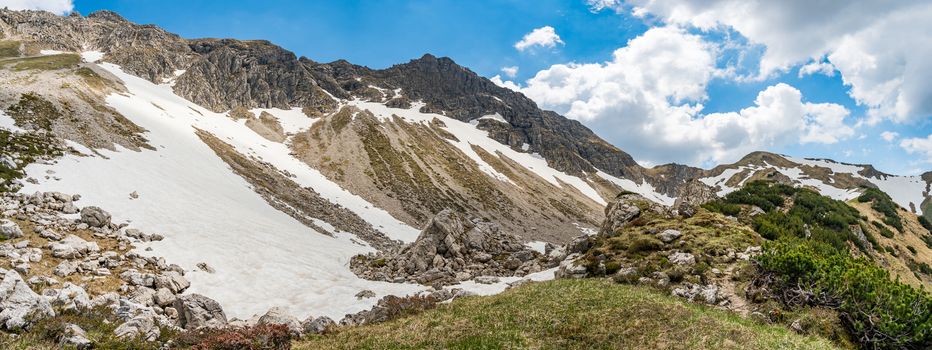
[681, 258]
[206, 268]
[365, 294]
[75, 337]
[317, 325]
[668, 236]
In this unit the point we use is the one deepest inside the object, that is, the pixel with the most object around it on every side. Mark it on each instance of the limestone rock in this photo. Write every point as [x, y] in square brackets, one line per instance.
[317, 325]
[9, 229]
[196, 311]
[95, 217]
[278, 315]
[19, 305]
[668, 236]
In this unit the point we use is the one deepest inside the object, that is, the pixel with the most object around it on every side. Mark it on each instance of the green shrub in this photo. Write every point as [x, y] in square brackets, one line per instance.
[925, 223]
[883, 204]
[644, 244]
[611, 267]
[927, 239]
[812, 215]
[880, 312]
[884, 231]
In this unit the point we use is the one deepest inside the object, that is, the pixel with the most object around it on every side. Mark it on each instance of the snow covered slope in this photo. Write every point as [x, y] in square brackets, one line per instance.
[208, 214]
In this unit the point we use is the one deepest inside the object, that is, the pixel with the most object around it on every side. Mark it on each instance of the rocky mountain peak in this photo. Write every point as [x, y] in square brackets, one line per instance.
[107, 15]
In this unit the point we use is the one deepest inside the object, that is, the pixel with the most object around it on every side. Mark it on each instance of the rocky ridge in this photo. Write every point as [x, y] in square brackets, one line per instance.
[452, 249]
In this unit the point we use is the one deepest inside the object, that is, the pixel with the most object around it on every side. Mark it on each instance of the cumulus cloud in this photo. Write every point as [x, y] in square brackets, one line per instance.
[54, 6]
[889, 136]
[823, 68]
[505, 83]
[510, 72]
[648, 101]
[880, 48]
[545, 37]
[919, 146]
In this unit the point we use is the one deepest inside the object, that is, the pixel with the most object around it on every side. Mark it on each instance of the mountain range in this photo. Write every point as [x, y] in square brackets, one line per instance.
[275, 170]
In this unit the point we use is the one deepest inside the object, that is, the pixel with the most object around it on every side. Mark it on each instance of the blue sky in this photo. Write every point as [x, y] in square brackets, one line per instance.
[481, 35]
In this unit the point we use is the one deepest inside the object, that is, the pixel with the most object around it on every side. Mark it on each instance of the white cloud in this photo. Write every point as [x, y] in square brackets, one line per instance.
[889, 136]
[544, 36]
[599, 5]
[823, 68]
[54, 6]
[505, 83]
[510, 72]
[920, 146]
[647, 100]
[881, 48]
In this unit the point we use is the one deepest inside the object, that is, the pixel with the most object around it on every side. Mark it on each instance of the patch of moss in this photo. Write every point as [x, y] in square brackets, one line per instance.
[48, 62]
[9, 48]
[32, 109]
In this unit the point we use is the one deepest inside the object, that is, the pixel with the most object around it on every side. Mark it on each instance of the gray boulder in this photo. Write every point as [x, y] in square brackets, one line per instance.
[668, 236]
[19, 305]
[278, 315]
[681, 258]
[142, 326]
[317, 325]
[72, 247]
[75, 337]
[95, 217]
[172, 281]
[69, 297]
[196, 311]
[9, 229]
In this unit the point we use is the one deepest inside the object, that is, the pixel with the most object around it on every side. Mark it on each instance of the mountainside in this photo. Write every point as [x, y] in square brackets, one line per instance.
[276, 181]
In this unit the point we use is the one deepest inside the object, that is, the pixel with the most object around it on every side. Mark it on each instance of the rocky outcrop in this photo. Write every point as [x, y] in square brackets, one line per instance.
[232, 73]
[692, 194]
[451, 249]
[19, 305]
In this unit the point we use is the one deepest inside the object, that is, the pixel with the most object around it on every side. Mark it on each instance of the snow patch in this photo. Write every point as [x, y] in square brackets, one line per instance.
[292, 120]
[538, 246]
[92, 56]
[645, 189]
[502, 284]
[7, 122]
[50, 52]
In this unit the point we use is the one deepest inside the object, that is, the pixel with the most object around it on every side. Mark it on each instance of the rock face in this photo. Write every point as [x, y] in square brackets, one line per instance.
[19, 305]
[231, 73]
[621, 211]
[692, 194]
[449, 250]
[196, 311]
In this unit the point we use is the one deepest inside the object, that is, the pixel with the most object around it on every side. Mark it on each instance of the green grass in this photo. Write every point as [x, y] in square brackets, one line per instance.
[568, 314]
[49, 62]
[9, 48]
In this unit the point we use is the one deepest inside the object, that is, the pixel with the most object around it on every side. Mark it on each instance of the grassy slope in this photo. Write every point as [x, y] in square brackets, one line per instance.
[576, 314]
